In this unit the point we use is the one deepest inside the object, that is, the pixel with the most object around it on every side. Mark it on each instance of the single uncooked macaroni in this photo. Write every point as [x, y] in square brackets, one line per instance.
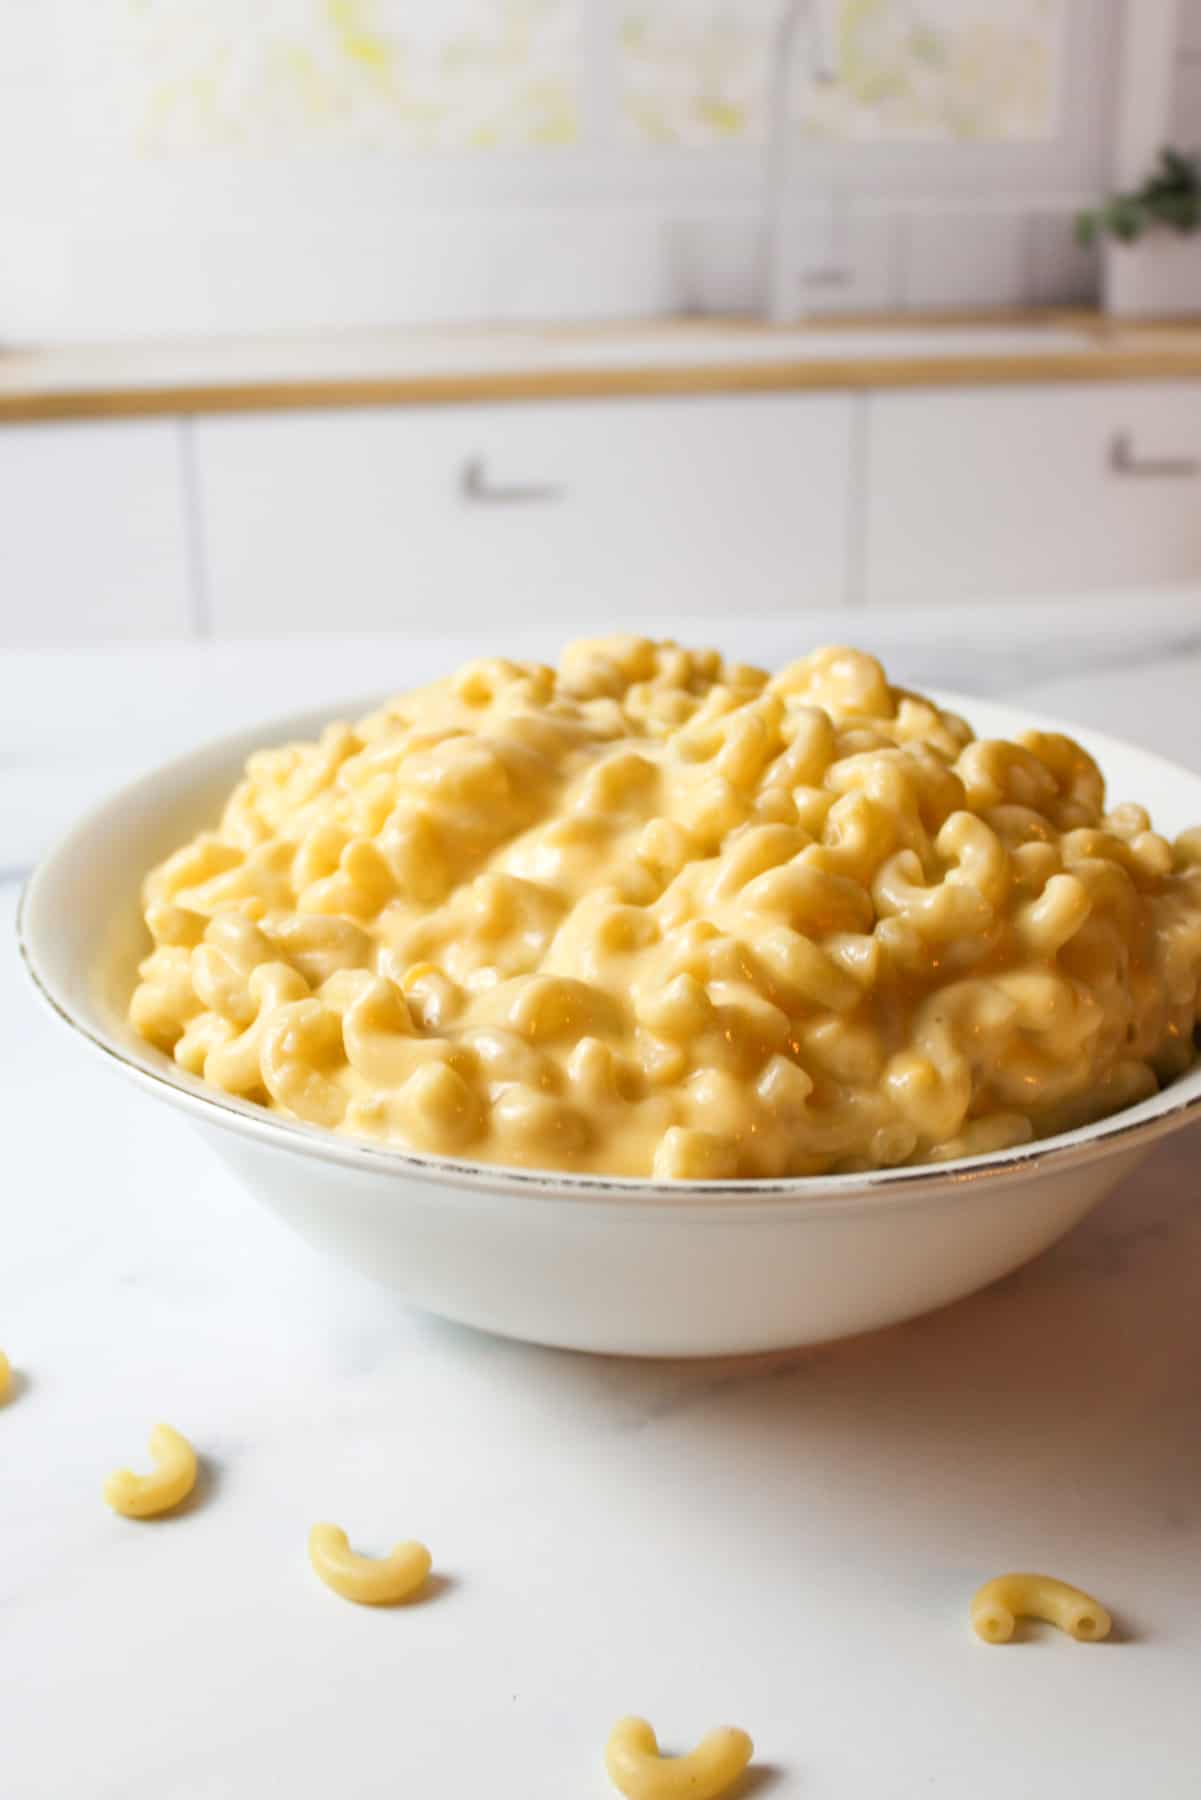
[638, 1770]
[1001, 1602]
[368, 1580]
[6, 1377]
[174, 1477]
[653, 913]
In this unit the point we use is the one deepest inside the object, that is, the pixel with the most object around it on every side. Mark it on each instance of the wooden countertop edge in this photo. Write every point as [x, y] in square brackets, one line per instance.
[282, 394]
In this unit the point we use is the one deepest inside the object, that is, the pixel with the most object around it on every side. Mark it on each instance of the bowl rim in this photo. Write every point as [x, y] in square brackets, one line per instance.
[1171, 1108]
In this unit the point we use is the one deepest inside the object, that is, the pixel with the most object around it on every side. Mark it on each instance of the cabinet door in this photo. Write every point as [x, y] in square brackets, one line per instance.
[481, 517]
[1032, 490]
[92, 540]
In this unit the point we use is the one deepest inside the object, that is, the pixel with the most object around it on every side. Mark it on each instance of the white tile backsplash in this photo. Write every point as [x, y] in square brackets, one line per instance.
[1186, 102]
[713, 264]
[566, 265]
[806, 263]
[862, 270]
[962, 260]
[600, 266]
[1188, 25]
[1059, 272]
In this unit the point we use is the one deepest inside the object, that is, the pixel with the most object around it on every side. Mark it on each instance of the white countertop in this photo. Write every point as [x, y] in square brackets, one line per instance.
[788, 1544]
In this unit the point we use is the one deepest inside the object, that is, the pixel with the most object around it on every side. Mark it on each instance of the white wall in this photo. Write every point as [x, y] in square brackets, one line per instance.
[1186, 85]
[133, 210]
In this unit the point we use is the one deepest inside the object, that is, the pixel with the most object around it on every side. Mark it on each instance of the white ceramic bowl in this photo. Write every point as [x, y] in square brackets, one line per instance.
[637, 1267]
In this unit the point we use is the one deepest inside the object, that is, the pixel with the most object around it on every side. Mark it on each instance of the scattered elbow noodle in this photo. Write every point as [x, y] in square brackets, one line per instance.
[1001, 1602]
[365, 1579]
[653, 913]
[638, 1770]
[6, 1377]
[144, 1496]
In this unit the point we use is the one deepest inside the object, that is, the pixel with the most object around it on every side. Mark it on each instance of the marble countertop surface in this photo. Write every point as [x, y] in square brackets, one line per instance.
[788, 1543]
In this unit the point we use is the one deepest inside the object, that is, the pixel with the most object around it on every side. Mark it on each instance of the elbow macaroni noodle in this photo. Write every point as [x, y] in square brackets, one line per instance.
[1001, 1602]
[637, 1769]
[174, 1477]
[365, 1579]
[6, 1378]
[655, 914]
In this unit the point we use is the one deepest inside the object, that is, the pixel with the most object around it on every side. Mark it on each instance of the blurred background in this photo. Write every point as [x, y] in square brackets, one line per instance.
[369, 315]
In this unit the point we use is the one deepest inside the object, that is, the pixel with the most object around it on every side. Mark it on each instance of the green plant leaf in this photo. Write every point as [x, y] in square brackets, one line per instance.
[1087, 228]
[1178, 170]
[1178, 210]
[1125, 218]
[1170, 196]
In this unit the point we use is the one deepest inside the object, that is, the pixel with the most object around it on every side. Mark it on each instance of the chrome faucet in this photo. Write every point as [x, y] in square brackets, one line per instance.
[820, 17]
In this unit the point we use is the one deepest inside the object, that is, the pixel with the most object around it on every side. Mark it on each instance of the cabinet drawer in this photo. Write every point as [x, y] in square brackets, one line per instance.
[92, 540]
[474, 518]
[1032, 490]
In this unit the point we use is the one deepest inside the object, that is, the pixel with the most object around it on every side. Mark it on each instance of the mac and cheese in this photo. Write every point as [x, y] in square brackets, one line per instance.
[653, 913]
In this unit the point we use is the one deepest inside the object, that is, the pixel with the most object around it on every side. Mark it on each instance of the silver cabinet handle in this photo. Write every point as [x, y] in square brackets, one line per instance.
[1123, 461]
[477, 490]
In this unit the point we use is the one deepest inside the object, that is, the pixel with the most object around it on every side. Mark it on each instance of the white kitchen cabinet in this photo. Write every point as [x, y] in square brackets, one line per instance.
[1030, 490]
[93, 546]
[482, 518]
